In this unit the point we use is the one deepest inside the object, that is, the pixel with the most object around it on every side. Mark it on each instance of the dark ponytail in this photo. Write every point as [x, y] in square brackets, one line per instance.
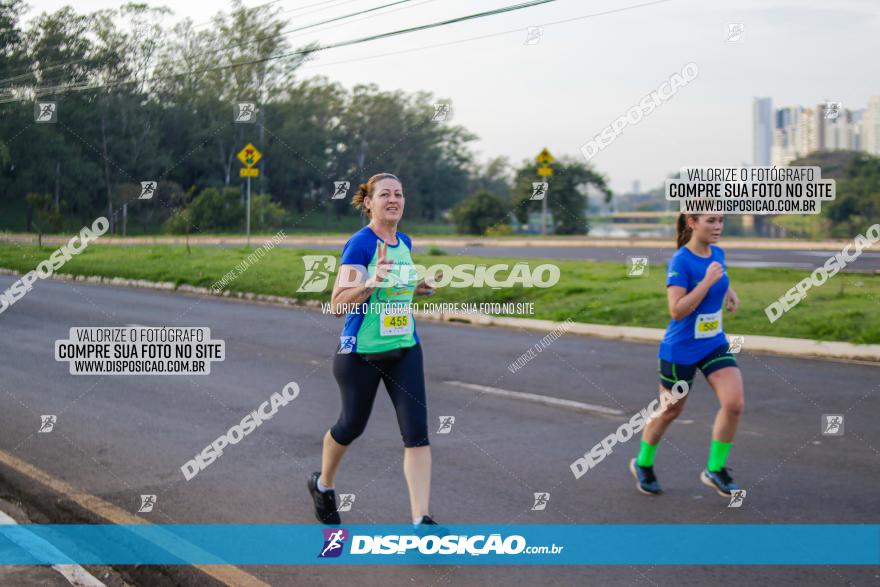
[682, 230]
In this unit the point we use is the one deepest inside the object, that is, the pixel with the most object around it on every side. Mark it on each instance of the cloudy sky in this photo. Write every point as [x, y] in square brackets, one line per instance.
[587, 71]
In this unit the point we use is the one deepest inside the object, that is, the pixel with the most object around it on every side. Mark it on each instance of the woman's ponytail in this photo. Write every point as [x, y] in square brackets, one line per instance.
[682, 230]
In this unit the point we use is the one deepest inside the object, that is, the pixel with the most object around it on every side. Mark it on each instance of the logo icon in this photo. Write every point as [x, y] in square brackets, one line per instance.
[441, 113]
[638, 266]
[317, 275]
[148, 188]
[46, 112]
[534, 35]
[735, 32]
[832, 110]
[346, 344]
[147, 503]
[446, 423]
[539, 190]
[47, 423]
[245, 112]
[832, 424]
[737, 496]
[340, 190]
[541, 500]
[346, 500]
[735, 344]
[334, 541]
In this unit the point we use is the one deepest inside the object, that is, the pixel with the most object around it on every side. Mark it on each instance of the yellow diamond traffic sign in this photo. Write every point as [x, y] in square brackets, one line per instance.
[545, 171]
[544, 157]
[249, 155]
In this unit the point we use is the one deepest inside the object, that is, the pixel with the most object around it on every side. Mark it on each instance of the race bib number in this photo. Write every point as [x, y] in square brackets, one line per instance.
[707, 325]
[395, 320]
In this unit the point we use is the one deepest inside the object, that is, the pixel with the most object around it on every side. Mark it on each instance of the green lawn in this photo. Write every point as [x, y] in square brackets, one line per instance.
[846, 308]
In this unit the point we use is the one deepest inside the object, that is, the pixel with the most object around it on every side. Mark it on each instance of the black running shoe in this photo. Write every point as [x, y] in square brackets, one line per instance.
[720, 481]
[427, 521]
[325, 502]
[647, 482]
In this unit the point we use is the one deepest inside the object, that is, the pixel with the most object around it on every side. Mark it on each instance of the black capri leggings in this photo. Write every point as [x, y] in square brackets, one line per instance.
[358, 377]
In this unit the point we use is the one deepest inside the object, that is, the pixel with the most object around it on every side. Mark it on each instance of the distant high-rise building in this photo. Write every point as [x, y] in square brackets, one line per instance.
[871, 126]
[762, 131]
[798, 131]
[637, 188]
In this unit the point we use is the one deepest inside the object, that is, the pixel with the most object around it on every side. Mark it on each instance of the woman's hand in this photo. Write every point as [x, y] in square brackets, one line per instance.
[383, 267]
[426, 286]
[732, 300]
[714, 273]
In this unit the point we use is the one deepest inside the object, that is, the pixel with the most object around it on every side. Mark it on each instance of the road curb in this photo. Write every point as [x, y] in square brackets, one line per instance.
[792, 347]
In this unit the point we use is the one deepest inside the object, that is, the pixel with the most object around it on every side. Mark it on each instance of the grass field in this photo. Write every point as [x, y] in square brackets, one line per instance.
[846, 308]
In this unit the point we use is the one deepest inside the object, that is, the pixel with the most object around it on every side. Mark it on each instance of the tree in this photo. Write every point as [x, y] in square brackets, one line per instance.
[46, 215]
[566, 196]
[479, 212]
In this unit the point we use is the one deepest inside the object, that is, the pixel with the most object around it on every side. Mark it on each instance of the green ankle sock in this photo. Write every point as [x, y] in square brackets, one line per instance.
[646, 455]
[718, 455]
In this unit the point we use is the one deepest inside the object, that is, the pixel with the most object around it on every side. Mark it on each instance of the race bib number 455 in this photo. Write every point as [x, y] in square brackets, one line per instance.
[395, 320]
[707, 325]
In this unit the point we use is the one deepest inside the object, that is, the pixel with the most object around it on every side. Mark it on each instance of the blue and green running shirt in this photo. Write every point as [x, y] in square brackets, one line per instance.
[385, 321]
[688, 340]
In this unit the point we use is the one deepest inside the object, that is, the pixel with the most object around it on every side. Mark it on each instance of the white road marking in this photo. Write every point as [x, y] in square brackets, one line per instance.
[538, 399]
[75, 574]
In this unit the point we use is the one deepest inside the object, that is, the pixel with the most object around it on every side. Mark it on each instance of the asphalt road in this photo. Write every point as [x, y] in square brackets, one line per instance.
[121, 436]
[792, 259]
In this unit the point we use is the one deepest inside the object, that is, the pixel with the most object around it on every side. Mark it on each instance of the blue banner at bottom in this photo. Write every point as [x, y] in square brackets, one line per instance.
[284, 544]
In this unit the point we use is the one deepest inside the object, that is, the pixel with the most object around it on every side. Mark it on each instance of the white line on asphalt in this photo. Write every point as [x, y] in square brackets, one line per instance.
[37, 547]
[538, 399]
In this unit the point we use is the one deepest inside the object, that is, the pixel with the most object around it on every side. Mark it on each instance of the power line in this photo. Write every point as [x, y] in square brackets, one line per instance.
[350, 42]
[490, 35]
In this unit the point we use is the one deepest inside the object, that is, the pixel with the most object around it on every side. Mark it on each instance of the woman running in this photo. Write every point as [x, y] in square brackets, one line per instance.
[377, 280]
[697, 287]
